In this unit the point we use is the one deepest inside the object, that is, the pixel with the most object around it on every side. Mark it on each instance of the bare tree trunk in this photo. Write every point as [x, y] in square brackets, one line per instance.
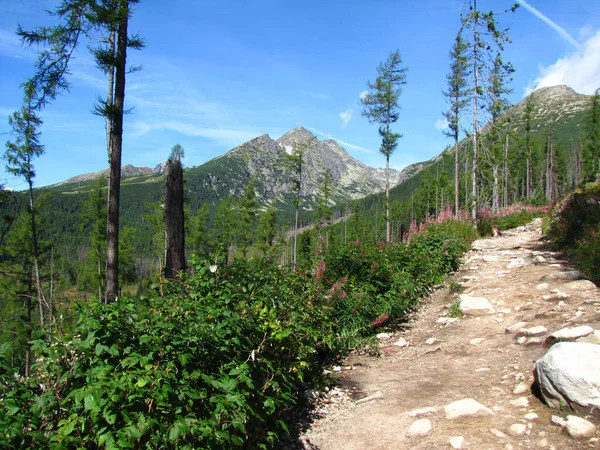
[174, 218]
[496, 190]
[475, 123]
[456, 166]
[36, 270]
[506, 171]
[116, 146]
[387, 197]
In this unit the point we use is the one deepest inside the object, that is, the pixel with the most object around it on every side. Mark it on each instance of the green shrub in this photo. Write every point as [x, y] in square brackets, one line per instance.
[216, 359]
[574, 228]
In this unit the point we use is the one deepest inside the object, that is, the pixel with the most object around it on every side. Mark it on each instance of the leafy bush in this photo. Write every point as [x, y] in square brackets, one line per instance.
[574, 228]
[216, 359]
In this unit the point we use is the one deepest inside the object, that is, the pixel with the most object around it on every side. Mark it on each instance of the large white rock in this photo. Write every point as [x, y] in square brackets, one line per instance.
[420, 427]
[467, 407]
[475, 306]
[581, 285]
[520, 262]
[568, 376]
[569, 275]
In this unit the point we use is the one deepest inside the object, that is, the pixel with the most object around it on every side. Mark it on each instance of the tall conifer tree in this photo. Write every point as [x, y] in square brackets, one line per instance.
[381, 105]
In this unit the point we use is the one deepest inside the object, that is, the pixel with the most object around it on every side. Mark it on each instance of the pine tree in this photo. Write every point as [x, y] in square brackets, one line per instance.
[497, 104]
[93, 216]
[266, 230]
[485, 37]
[248, 211]
[458, 97]
[381, 105]
[592, 140]
[78, 19]
[19, 156]
[323, 209]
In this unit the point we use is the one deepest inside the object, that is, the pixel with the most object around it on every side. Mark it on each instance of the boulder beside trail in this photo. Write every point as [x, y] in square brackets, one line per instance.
[568, 376]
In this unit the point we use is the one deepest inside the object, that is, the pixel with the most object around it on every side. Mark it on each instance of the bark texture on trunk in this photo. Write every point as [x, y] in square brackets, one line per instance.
[116, 146]
[174, 219]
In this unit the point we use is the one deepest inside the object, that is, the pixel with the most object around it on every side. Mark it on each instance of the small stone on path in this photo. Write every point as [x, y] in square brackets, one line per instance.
[568, 334]
[446, 320]
[476, 341]
[520, 388]
[517, 429]
[431, 341]
[457, 442]
[542, 287]
[531, 416]
[401, 342]
[466, 407]
[422, 411]
[580, 428]
[497, 433]
[420, 427]
[520, 262]
[384, 336]
[516, 327]
[522, 402]
[533, 331]
[475, 306]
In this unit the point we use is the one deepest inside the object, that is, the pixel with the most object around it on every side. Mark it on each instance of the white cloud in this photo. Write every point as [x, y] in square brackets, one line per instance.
[228, 136]
[346, 116]
[560, 30]
[363, 94]
[441, 124]
[580, 70]
[10, 45]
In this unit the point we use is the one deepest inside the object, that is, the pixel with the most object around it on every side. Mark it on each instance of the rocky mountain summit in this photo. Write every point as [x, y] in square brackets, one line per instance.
[552, 105]
[518, 369]
[264, 159]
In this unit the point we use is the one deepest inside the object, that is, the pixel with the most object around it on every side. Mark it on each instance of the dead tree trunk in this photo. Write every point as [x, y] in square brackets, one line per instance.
[174, 219]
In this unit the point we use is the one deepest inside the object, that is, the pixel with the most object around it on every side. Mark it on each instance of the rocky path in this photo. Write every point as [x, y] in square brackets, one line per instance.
[466, 383]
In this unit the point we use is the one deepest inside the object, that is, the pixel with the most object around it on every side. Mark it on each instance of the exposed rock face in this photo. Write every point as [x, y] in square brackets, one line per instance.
[264, 159]
[568, 376]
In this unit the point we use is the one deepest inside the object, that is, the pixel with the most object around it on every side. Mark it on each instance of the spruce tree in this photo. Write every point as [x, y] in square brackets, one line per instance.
[457, 96]
[592, 140]
[90, 19]
[486, 37]
[381, 106]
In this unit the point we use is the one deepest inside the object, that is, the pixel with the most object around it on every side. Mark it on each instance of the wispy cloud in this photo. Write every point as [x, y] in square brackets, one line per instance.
[580, 70]
[346, 116]
[339, 141]
[560, 30]
[441, 124]
[228, 136]
[10, 45]
[363, 94]
[316, 95]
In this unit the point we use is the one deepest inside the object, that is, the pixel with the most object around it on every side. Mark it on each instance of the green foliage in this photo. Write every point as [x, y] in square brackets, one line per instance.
[454, 310]
[217, 357]
[574, 227]
[455, 287]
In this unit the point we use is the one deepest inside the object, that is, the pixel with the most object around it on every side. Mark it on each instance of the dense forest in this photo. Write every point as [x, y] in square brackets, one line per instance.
[109, 340]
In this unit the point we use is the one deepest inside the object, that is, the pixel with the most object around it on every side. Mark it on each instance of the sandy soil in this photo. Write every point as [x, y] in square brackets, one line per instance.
[379, 398]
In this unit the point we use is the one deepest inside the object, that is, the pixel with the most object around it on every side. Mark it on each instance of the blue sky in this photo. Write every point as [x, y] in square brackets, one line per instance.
[216, 74]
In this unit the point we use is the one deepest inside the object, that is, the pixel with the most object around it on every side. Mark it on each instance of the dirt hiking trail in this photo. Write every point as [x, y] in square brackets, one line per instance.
[400, 399]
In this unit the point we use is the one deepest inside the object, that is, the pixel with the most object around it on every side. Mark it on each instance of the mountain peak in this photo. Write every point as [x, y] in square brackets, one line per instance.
[295, 137]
